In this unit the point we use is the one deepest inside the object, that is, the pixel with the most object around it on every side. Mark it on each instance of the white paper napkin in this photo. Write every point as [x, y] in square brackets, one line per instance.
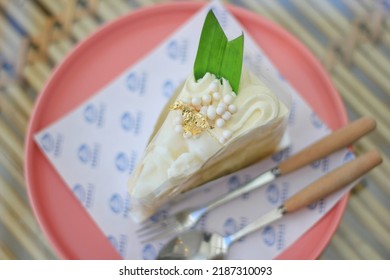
[95, 148]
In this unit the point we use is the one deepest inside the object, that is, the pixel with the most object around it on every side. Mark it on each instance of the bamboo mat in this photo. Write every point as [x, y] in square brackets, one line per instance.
[351, 38]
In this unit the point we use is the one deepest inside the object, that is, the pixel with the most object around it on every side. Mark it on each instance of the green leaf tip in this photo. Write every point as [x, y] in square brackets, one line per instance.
[217, 55]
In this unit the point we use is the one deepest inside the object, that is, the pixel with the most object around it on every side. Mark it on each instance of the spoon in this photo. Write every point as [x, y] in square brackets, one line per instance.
[202, 245]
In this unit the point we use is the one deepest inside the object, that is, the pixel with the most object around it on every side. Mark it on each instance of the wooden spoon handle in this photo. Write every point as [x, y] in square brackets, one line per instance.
[335, 141]
[333, 181]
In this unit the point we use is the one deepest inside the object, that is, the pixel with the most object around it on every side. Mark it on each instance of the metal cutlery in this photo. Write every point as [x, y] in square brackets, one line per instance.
[206, 245]
[188, 218]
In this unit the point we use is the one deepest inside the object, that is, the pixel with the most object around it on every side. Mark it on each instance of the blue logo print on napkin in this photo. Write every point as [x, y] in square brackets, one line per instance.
[113, 241]
[322, 164]
[281, 155]
[119, 244]
[120, 205]
[116, 203]
[132, 122]
[316, 121]
[168, 89]
[52, 144]
[269, 235]
[88, 154]
[274, 236]
[233, 182]
[84, 194]
[173, 49]
[79, 192]
[90, 113]
[94, 114]
[177, 50]
[121, 162]
[272, 193]
[136, 82]
[230, 226]
[149, 252]
[84, 153]
[319, 206]
[47, 142]
[126, 163]
[293, 113]
[348, 156]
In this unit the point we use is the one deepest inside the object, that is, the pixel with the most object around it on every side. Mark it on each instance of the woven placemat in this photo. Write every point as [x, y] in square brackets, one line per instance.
[350, 38]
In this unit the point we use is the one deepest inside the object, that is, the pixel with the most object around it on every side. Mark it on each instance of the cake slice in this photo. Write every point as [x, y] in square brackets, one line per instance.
[215, 124]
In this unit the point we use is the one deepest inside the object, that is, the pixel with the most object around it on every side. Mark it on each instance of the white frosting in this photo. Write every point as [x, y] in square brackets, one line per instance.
[170, 157]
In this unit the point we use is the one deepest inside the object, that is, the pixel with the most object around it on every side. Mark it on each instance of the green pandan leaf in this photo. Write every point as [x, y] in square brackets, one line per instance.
[211, 47]
[232, 62]
[218, 56]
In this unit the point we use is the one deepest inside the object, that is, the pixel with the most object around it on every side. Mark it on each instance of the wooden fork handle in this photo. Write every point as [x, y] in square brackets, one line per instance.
[333, 181]
[335, 141]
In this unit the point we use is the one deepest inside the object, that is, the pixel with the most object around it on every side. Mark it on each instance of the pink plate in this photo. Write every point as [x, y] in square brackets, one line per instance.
[108, 52]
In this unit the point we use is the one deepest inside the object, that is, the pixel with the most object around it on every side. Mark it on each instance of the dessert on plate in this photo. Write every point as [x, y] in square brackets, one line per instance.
[222, 118]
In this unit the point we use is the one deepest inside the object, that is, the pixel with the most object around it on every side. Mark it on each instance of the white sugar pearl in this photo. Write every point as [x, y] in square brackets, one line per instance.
[232, 108]
[203, 110]
[227, 134]
[216, 96]
[211, 114]
[196, 101]
[222, 140]
[220, 110]
[228, 99]
[220, 123]
[223, 105]
[178, 128]
[206, 99]
[226, 116]
[186, 100]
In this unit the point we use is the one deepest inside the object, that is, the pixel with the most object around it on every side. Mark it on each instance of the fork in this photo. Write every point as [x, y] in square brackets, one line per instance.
[188, 218]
